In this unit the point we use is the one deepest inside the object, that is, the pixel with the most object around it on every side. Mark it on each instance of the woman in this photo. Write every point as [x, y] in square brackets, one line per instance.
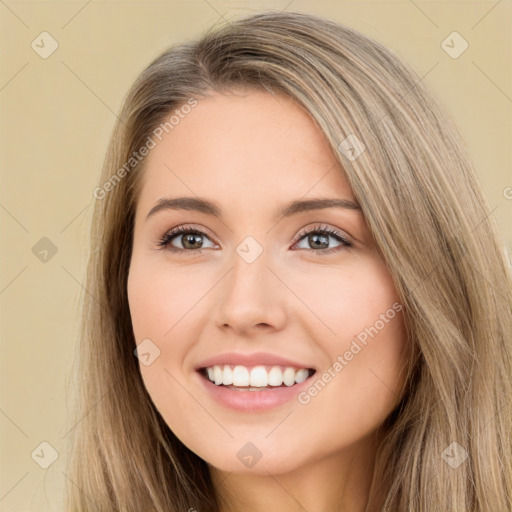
[297, 299]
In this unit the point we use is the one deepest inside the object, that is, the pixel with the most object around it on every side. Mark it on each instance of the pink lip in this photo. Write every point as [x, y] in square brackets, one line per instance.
[254, 359]
[252, 401]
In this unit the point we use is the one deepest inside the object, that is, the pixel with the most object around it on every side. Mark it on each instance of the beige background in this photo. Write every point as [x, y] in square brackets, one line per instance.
[56, 117]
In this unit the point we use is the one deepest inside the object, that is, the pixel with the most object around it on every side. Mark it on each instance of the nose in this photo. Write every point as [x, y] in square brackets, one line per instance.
[251, 298]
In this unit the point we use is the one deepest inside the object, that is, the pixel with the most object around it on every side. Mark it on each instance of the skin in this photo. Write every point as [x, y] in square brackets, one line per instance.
[251, 152]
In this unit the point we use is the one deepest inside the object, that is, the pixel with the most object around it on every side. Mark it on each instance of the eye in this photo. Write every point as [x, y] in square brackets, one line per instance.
[317, 238]
[190, 239]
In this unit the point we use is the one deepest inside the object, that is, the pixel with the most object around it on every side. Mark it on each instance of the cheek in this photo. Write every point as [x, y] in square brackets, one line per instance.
[365, 343]
[365, 385]
[162, 299]
[164, 309]
[347, 298]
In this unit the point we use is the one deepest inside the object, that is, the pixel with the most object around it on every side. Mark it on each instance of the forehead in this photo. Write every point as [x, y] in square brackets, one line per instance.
[247, 148]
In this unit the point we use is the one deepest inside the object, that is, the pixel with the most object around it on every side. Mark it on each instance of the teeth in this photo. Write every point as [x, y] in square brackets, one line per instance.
[275, 376]
[301, 376]
[240, 376]
[289, 377]
[257, 377]
[218, 375]
[227, 375]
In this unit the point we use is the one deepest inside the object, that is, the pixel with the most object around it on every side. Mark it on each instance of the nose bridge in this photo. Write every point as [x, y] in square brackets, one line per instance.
[249, 270]
[250, 292]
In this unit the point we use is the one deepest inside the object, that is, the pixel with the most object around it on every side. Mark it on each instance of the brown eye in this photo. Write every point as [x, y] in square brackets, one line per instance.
[191, 241]
[187, 239]
[316, 241]
[319, 239]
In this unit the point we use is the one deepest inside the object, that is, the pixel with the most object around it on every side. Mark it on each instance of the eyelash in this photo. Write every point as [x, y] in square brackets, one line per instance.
[164, 241]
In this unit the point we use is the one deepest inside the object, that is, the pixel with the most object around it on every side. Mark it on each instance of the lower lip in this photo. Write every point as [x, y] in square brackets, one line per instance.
[253, 401]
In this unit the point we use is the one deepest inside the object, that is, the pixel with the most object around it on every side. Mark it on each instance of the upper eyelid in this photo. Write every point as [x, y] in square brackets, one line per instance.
[330, 232]
[184, 228]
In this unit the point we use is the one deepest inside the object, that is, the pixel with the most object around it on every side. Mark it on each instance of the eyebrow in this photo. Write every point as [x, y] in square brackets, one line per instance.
[210, 208]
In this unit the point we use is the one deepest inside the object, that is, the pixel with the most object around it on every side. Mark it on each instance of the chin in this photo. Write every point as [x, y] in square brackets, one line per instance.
[258, 458]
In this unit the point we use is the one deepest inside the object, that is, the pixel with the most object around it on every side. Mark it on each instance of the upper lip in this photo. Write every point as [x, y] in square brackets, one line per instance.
[253, 359]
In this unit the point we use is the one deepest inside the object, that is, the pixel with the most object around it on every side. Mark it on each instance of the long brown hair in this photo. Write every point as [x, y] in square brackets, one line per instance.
[418, 192]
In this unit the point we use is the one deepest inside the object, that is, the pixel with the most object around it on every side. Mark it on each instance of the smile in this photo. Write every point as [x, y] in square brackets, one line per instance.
[253, 389]
[255, 378]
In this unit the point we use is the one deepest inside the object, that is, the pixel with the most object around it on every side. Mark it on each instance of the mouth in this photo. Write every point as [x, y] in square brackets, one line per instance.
[255, 378]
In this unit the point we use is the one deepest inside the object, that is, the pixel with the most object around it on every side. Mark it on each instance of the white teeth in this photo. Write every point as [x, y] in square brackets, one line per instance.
[257, 377]
[228, 375]
[301, 376]
[275, 376]
[217, 374]
[240, 376]
[289, 377]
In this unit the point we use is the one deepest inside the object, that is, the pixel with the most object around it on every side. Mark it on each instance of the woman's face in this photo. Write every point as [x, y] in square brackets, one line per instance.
[269, 287]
